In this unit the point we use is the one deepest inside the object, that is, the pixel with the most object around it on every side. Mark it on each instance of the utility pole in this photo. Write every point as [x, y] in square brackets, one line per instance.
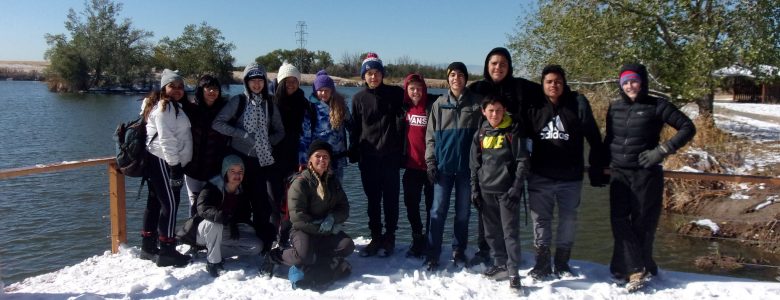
[300, 35]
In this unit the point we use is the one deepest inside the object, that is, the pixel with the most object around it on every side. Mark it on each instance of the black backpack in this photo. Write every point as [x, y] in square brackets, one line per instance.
[131, 147]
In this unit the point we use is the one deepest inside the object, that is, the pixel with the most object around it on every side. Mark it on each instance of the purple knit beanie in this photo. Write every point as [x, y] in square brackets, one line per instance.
[323, 81]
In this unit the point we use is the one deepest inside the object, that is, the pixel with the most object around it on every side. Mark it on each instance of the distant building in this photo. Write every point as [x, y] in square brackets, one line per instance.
[761, 86]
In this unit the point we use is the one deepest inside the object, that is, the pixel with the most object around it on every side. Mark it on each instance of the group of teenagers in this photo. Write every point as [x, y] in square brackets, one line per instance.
[263, 170]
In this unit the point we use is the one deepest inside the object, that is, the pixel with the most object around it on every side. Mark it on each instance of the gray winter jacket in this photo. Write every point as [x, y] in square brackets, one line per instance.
[241, 141]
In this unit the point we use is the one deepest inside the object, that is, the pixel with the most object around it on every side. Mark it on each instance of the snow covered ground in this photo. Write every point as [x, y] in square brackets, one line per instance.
[125, 276]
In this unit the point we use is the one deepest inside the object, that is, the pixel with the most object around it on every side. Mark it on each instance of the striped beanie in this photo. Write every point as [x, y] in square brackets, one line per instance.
[629, 75]
[372, 62]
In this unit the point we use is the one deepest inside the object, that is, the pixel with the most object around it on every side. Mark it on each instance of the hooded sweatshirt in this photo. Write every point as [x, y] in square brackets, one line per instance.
[416, 117]
[225, 123]
[517, 90]
[635, 126]
[498, 157]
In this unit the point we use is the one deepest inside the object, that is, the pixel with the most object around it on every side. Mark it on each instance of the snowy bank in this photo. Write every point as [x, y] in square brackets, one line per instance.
[125, 276]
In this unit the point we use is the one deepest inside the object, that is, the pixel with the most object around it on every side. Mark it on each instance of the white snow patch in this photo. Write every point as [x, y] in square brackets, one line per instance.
[709, 224]
[739, 196]
[125, 276]
[769, 201]
[772, 110]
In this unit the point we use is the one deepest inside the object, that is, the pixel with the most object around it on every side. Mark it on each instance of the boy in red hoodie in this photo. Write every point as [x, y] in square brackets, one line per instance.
[417, 106]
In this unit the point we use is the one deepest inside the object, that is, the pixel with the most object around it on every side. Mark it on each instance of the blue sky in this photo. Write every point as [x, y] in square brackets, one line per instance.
[430, 32]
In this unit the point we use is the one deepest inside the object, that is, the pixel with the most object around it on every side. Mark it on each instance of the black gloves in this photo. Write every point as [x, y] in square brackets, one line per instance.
[597, 177]
[234, 231]
[353, 154]
[177, 176]
[433, 174]
[476, 199]
[649, 158]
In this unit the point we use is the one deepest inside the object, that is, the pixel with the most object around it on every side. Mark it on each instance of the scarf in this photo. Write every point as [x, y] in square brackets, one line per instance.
[256, 124]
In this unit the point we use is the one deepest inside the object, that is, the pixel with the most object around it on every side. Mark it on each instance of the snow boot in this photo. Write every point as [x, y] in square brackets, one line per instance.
[418, 245]
[459, 259]
[149, 249]
[388, 245]
[481, 257]
[542, 267]
[431, 264]
[561, 267]
[373, 247]
[213, 269]
[169, 256]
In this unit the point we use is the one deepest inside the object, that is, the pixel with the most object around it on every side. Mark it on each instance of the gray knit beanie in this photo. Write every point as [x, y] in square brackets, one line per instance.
[169, 76]
[231, 160]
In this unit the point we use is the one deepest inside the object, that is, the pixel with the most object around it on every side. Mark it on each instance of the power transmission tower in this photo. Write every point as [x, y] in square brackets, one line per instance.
[300, 36]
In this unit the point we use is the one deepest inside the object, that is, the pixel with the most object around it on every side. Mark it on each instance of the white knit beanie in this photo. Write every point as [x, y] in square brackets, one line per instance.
[287, 70]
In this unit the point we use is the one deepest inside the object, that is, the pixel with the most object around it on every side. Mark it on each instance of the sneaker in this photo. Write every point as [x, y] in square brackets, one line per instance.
[431, 264]
[459, 258]
[496, 272]
[213, 269]
[514, 283]
[372, 248]
[635, 282]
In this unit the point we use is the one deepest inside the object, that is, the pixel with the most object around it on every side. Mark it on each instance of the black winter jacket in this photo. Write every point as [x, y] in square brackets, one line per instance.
[208, 145]
[558, 133]
[213, 205]
[378, 122]
[633, 127]
[291, 108]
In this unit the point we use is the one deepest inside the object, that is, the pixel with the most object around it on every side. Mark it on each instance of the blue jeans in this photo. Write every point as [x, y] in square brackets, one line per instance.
[442, 189]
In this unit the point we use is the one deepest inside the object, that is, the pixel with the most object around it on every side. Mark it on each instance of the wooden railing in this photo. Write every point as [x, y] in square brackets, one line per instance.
[116, 187]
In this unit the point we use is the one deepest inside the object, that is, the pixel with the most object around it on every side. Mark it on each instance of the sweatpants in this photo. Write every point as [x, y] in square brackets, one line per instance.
[381, 184]
[635, 199]
[544, 194]
[308, 248]
[163, 200]
[502, 231]
[416, 185]
[216, 238]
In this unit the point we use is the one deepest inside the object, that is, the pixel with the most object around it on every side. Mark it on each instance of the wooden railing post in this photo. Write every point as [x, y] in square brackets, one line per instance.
[116, 186]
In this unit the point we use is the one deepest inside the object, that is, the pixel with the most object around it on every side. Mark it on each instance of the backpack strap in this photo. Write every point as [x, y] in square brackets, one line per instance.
[239, 110]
